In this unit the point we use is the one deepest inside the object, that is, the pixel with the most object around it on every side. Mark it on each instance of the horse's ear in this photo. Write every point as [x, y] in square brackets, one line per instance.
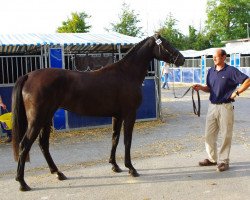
[157, 35]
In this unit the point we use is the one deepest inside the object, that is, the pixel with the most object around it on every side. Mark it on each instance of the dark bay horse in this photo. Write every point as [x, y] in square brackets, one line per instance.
[114, 90]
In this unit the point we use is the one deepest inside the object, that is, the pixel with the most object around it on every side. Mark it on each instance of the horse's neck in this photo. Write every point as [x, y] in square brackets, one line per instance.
[136, 63]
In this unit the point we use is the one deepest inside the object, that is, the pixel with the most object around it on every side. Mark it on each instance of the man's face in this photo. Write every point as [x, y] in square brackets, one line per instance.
[218, 58]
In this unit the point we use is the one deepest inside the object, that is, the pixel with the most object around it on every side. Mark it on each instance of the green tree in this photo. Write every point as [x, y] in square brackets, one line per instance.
[226, 20]
[76, 24]
[197, 41]
[168, 31]
[202, 42]
[128, 23]
[192, 38]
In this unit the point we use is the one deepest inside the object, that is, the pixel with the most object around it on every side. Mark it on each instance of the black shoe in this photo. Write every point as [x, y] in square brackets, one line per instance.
[222, 167]
[207, 162]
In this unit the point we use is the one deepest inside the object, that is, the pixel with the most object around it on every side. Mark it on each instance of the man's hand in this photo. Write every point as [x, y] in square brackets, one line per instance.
[233, 95]
[3, 106]
[197, 87]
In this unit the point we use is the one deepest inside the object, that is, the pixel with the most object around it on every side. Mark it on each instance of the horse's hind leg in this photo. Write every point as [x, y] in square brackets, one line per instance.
[117, 123]
[25, 145]
[44, 145]
[129, 122]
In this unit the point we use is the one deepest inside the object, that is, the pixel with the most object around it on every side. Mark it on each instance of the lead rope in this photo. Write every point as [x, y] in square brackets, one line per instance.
[197, 110]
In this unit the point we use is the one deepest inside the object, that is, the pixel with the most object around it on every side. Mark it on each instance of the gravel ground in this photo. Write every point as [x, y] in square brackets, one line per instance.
[165, 152]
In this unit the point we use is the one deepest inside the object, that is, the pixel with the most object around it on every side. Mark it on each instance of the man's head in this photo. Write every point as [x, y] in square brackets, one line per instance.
[219, 57]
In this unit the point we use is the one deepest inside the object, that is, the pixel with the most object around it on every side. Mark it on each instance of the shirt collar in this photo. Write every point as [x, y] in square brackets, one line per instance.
[224, 68]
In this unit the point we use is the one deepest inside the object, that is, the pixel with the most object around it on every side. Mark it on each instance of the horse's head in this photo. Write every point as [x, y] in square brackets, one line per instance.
[163, 50]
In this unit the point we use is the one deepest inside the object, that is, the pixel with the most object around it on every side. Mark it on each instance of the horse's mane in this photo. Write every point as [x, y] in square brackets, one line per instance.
[135, 48]
[130, 52]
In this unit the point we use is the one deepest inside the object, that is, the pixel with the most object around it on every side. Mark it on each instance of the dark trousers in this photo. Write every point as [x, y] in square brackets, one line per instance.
[8, 132]
[165, 83]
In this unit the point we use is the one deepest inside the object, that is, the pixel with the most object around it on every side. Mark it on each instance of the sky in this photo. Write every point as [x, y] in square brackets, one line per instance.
[44, 16]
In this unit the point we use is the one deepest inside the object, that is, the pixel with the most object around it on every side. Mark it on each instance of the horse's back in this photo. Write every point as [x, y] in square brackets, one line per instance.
[45, 82]
[48, 75]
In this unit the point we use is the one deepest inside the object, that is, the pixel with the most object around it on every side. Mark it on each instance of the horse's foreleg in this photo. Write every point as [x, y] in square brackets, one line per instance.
[44, 146]
[25, 146]
[129, 122]
[117, 124]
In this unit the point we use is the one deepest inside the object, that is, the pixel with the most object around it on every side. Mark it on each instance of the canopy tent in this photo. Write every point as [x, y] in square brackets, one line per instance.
[235, 46]
[105, 42]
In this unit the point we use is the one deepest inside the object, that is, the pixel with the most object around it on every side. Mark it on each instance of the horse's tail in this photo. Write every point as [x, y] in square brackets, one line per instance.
[19, 118]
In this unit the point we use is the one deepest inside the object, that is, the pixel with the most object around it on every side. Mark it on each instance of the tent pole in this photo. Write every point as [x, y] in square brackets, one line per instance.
[119, 51]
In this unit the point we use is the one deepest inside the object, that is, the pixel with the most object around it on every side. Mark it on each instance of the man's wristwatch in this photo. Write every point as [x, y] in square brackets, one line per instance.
[237, 93]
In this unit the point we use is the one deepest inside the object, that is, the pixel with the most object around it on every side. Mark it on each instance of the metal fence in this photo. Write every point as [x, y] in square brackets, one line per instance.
[70, 62]
[196, 62]
[12, 67]
[245, 61]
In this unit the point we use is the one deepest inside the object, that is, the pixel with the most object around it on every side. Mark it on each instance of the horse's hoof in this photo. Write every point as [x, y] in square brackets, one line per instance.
[116, 169]
[61, 176]
[134, 173]
[24, 188]
[23, 185]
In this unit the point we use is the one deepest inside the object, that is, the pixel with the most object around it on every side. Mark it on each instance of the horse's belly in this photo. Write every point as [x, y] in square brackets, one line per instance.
[93, 108]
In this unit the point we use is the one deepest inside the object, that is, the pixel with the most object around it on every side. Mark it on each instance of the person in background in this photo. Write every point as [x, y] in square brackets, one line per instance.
[8, 132]
[165, 73]
[222, 84]
[2, 104]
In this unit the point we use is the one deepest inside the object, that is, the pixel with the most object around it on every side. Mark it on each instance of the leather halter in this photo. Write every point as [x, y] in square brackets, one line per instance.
[159, 43]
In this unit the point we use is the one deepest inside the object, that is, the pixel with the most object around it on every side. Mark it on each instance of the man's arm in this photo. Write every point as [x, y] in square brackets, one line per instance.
[204, 88]
[241, 89]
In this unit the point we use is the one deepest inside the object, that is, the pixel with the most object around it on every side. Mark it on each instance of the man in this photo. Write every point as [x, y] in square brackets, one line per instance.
[8, 132]
[222, 82]
[165, 72]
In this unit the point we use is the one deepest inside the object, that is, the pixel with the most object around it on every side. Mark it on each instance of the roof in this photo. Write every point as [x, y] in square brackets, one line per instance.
[18, 43]
[230, 48]
[94, 42]
[194, 53]
[241, 46]
[236, 41]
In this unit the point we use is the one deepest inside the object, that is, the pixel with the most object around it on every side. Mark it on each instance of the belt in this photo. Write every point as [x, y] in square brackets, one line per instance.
[221, 103]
